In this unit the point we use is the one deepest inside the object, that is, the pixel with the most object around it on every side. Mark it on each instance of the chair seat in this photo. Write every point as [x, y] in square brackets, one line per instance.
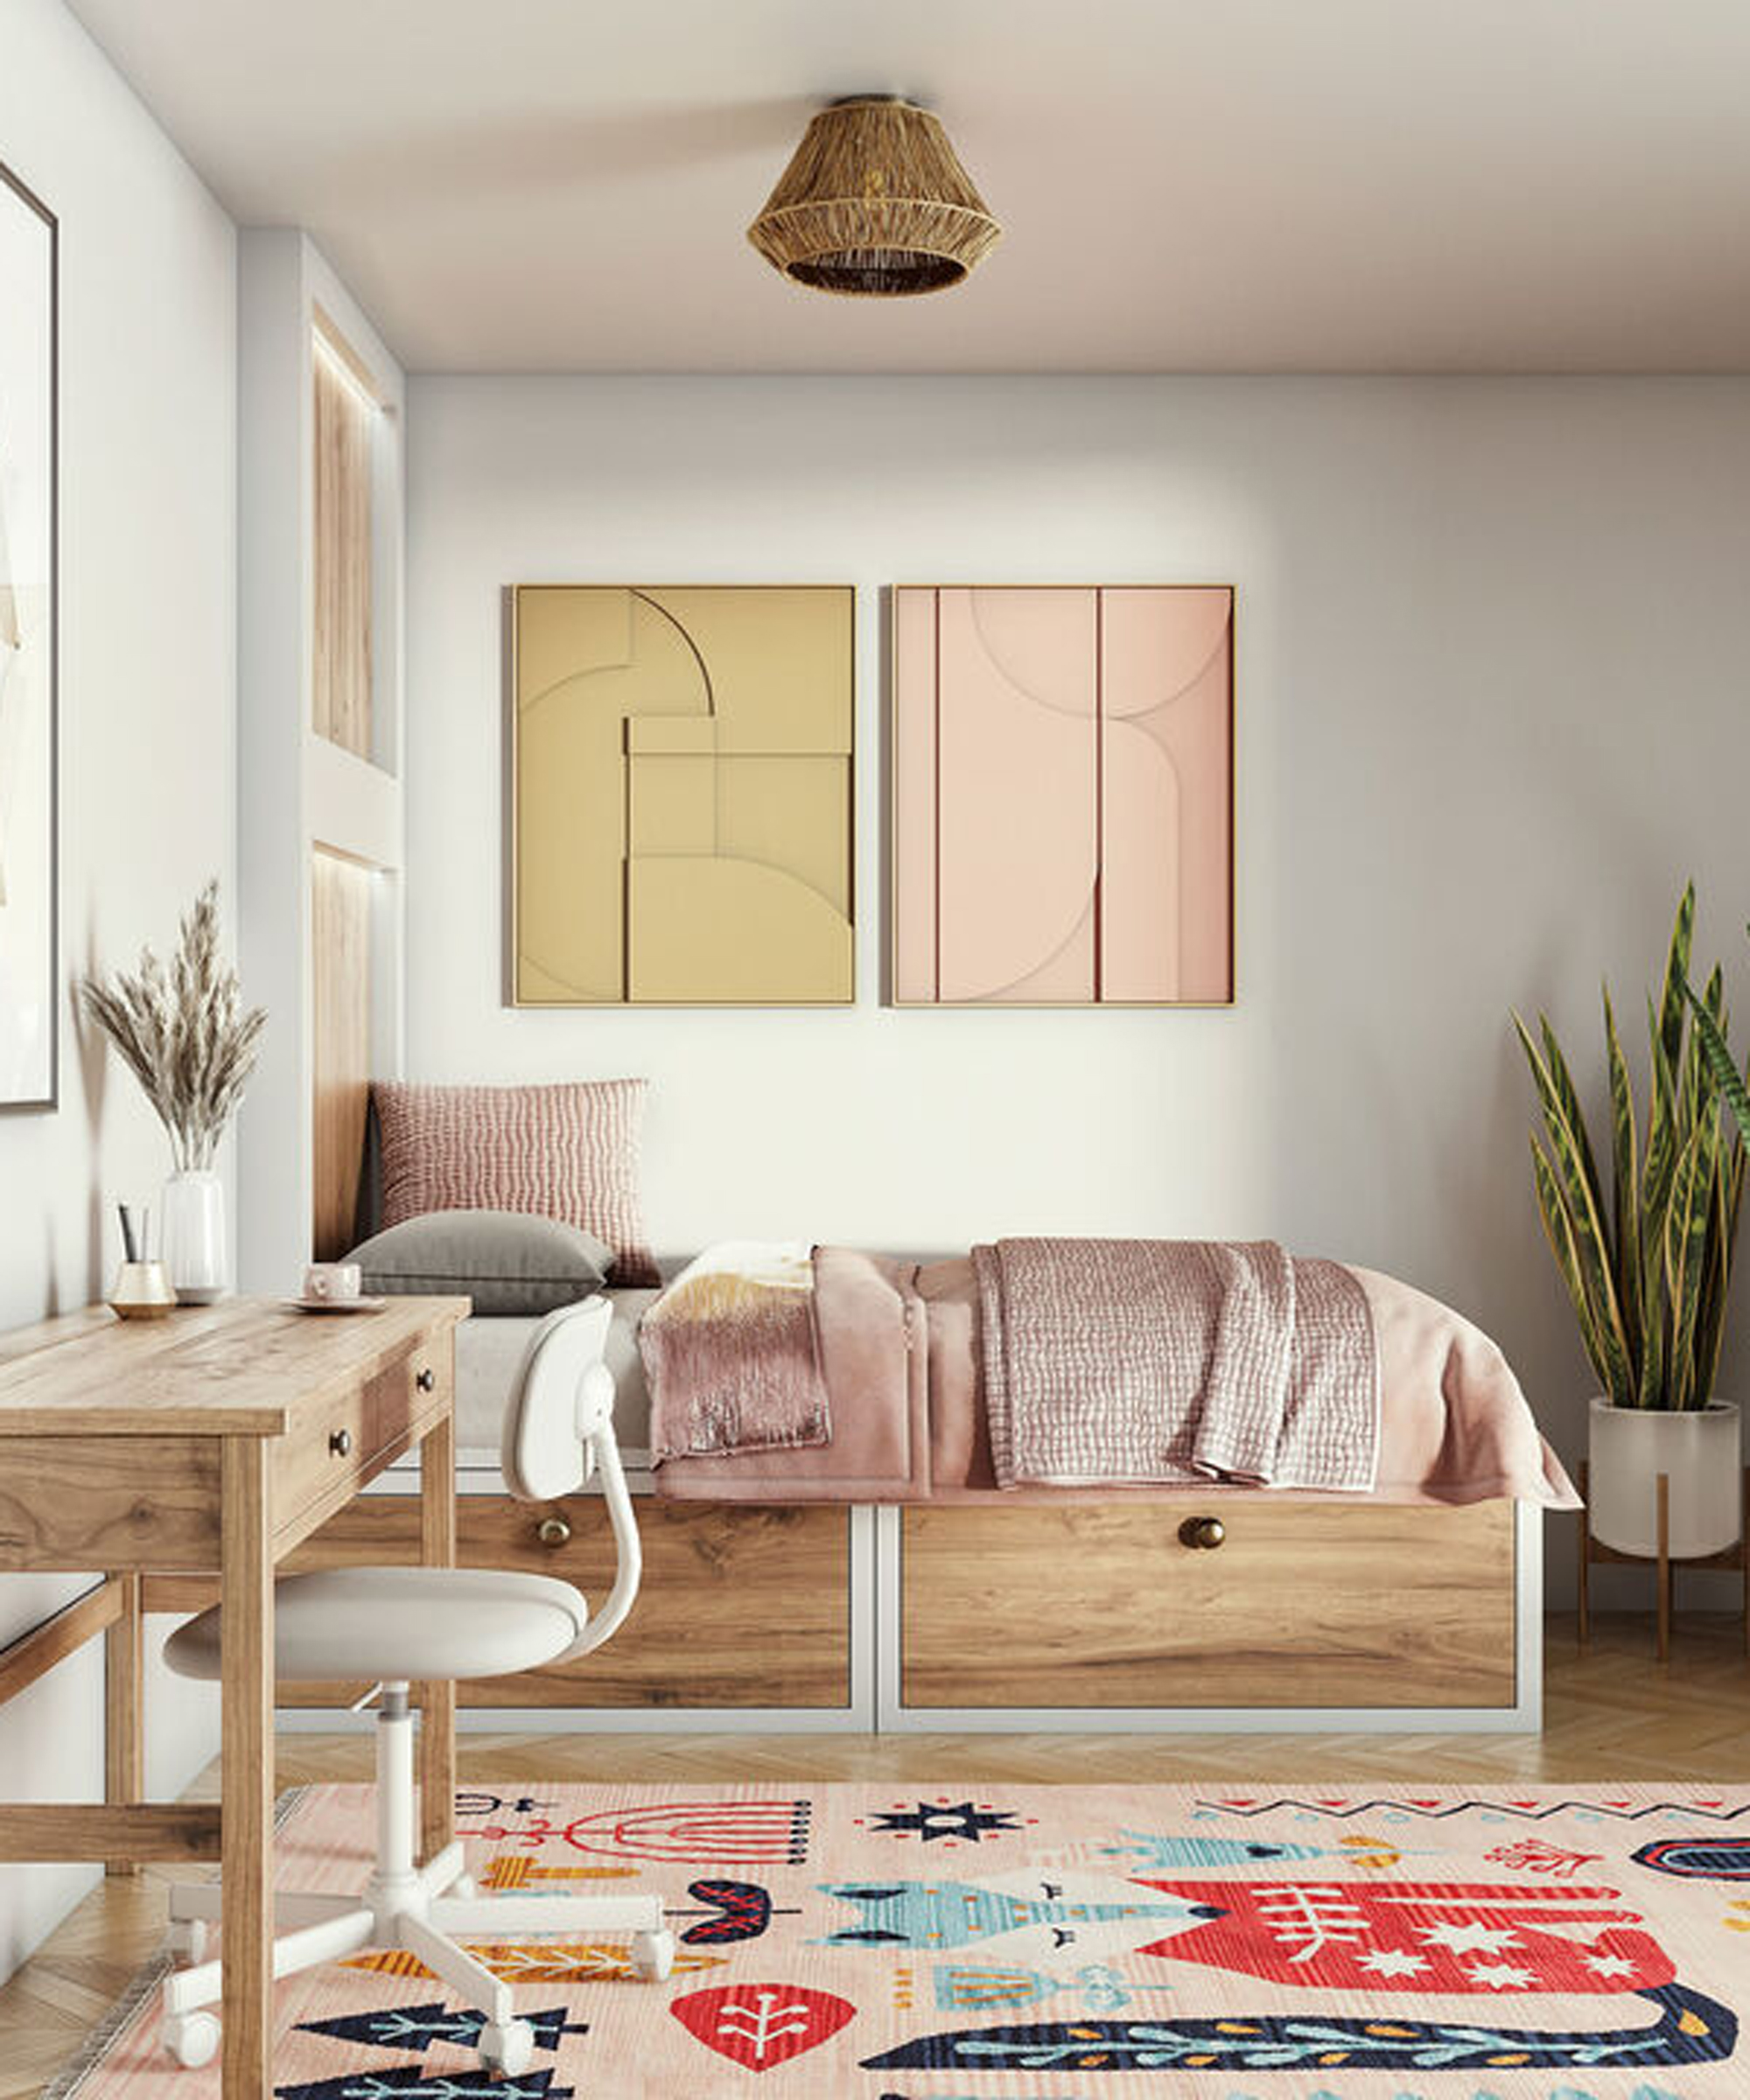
[396, 1624]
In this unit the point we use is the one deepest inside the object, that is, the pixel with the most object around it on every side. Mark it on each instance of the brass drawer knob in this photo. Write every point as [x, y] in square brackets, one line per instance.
[1202, 1534]
[341, 1442]
[426, 1380]
[553, 1532]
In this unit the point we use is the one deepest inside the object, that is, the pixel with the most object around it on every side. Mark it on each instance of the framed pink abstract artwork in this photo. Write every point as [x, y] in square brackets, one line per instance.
[1063, 795]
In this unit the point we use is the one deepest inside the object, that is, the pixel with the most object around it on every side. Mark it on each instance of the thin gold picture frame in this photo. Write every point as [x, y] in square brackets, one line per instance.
[889, 965]
[511, 992]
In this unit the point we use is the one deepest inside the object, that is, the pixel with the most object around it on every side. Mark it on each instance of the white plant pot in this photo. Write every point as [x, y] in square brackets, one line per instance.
[192, 1237]
[1701, 1453]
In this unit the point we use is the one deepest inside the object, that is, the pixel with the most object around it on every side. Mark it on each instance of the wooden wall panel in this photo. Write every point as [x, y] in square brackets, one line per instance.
[340, 1047]
[1307, 1604]
[345, 421]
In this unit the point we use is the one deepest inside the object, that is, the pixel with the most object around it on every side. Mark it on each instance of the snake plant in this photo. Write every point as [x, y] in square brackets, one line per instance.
[1714, 1048]
[1648, 1267]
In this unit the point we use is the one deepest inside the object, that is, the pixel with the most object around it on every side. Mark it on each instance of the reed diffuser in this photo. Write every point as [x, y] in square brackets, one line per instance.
[184, 1033]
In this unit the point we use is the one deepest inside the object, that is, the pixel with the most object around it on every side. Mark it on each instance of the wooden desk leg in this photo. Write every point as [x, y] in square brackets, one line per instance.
[437, 1701]
[1664, 1567]
[124, 1759]
[246, 1639]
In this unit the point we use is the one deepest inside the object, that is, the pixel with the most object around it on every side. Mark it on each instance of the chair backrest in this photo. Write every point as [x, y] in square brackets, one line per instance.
[558, 1431]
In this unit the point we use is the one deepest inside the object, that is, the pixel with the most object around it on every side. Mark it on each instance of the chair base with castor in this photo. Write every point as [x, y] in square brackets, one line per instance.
[397, 1625]
[427, 1910]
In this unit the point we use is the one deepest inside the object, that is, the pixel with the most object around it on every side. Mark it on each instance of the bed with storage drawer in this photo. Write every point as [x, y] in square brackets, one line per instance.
[1193, 1609]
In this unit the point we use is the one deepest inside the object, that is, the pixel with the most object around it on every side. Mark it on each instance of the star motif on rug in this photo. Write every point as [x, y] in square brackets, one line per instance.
[1392, 1961]
[959, 1823]
[1610, 1965]
[1470, 1939]
[1500, 1975]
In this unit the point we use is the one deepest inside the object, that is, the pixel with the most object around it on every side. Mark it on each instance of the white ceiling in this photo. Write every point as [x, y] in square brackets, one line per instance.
[1187, 185]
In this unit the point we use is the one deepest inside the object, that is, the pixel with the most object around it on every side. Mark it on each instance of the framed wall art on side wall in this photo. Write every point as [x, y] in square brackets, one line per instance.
[29, 968]
[680, 818]
[1063, 795]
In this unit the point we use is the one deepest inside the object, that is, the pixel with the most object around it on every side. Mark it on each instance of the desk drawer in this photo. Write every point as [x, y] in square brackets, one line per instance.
[1303, 1604]
[350, 1440]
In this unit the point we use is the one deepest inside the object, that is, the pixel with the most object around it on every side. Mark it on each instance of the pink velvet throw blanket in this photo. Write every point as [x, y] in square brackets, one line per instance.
[732, 1357]
[1123, 1361]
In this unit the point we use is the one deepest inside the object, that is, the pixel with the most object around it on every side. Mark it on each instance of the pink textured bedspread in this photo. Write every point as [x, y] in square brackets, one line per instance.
[1109, 1362]
[902, 1351]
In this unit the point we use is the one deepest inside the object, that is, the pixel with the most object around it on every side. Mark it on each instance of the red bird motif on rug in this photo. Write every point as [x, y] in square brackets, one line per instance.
[1424, 1937]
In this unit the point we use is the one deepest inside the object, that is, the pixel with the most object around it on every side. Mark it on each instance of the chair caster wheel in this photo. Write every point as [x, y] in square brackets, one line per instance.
[652, 1957]
[192, 2038]
[186, 1941]
[509, 2049]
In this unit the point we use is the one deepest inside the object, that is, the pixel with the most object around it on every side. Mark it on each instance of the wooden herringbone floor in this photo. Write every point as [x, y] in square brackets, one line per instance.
[1613, 1714]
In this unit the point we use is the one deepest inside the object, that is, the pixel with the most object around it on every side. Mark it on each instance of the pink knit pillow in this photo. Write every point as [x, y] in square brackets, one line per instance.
[566, 1152]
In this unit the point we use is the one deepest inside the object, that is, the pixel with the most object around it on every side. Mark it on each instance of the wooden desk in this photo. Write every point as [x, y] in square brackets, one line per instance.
[211, 1443]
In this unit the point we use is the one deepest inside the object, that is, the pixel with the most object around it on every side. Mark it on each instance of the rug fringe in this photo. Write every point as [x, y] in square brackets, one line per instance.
[104, 2036]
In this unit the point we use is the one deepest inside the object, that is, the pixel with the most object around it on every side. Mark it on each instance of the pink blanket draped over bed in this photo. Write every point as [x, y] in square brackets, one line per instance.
[1111, 1361]
[733, 1359]
[901, 1351]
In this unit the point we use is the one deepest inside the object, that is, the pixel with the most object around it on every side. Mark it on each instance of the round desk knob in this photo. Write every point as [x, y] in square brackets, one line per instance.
[341, 1443]
[554, 1532]
[1203, 1534]
[426, 1381]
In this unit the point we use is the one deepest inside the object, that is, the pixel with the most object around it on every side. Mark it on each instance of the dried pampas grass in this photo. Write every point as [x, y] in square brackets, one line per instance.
[183, 1033]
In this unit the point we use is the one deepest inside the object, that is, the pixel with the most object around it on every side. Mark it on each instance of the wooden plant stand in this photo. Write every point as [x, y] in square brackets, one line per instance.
[1593, 1554]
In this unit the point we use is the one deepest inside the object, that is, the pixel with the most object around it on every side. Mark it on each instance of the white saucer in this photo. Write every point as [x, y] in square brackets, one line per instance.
[336, 1304]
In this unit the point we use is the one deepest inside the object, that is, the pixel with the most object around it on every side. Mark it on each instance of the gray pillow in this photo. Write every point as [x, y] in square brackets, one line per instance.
[509, 1262]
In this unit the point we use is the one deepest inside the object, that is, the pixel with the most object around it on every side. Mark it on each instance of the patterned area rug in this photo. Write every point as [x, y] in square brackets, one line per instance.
[1055, 1943]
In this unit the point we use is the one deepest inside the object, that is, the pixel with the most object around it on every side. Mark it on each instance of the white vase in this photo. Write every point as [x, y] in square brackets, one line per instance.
[1699, 1451]
[192, 1237]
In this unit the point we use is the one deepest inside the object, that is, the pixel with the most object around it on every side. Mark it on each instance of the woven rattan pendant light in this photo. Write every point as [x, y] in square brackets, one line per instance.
[875, 204]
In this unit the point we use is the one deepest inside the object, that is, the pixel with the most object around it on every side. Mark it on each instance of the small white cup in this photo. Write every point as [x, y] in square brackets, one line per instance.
[332, 1282]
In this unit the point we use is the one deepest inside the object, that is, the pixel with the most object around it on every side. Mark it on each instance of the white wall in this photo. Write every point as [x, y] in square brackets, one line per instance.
[1493, 647]
[148, 523]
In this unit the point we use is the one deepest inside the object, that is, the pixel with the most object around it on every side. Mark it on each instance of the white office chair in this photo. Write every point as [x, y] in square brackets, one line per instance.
[405, 1625]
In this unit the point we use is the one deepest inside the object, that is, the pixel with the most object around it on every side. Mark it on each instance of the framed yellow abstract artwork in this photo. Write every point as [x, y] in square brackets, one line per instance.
[681, 809]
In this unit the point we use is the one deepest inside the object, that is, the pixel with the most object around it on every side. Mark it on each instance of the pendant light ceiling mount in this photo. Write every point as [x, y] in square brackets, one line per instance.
[875, 204]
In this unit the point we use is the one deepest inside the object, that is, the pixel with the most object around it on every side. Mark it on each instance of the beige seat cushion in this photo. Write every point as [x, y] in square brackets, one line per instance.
[393, 1624]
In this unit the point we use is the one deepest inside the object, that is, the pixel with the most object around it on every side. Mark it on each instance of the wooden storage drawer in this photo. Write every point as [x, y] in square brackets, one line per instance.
[356, 1436]
[739, 1606]
[1305, 1604]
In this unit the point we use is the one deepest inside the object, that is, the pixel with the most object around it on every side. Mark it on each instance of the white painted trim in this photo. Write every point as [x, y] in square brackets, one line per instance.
[350, 805]
[865, 1619]
[1528, 1542]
